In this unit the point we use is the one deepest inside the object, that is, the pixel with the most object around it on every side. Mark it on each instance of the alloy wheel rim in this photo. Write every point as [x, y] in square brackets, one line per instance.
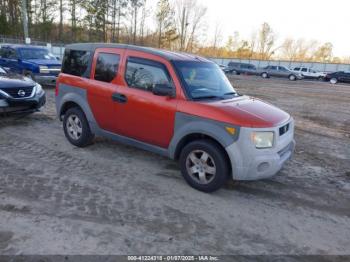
[74, 127]
[201, 167]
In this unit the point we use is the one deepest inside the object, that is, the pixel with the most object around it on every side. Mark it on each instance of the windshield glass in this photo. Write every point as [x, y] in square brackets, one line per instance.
[2, 71]
[204, 80]
[36, 54]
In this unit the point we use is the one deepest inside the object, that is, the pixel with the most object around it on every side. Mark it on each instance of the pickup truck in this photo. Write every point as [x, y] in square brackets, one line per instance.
[310, 73]
[31, 61]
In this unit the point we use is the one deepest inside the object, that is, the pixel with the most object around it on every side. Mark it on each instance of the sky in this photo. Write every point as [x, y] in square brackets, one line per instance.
[320, 20]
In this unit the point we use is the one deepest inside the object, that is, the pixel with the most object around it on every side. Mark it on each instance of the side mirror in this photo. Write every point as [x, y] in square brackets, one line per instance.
[163, 90]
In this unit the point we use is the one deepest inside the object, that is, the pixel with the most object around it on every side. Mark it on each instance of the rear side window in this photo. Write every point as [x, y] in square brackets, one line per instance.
[8, 53]
[145, 74]
[106, 67]
[76, 62]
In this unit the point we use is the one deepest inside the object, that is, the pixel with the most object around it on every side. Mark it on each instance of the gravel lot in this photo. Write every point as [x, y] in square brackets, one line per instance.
[113, 199]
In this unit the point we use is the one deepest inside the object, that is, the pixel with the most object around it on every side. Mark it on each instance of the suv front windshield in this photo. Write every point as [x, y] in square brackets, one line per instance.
[36, 54]
[204, 80]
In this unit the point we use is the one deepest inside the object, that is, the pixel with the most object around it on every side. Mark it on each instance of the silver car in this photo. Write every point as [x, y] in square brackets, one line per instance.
[279, 71]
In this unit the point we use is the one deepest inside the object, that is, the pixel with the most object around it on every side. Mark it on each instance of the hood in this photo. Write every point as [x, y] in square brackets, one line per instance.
[13, 80]
[46, 62]
[242, 111]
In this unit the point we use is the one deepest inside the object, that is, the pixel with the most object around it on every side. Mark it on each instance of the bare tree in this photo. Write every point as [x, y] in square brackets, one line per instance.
[165, 22]
[189, 19]
[266, 41]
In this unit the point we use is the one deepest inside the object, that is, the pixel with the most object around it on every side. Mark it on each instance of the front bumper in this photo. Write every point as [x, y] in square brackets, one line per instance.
[11, 105]
[250, 163]
[45, 80]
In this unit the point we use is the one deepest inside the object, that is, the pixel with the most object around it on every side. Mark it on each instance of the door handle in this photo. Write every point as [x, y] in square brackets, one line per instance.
[119, 98]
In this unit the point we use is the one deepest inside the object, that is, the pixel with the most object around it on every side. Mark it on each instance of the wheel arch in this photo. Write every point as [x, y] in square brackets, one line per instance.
[74, 97]
[193, 137]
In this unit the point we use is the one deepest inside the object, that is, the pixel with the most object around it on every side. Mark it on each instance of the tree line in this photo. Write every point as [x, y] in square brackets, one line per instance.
[172, 24]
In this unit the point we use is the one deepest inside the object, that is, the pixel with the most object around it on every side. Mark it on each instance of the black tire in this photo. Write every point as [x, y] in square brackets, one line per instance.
[220, 160]
[86, 136]
[234, 72]
[320, 78]
[333, 80]
[292, 77]
[264, 75]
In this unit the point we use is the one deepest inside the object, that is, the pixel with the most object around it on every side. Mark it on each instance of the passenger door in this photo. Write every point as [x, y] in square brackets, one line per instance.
[141, 114]
[105, 80]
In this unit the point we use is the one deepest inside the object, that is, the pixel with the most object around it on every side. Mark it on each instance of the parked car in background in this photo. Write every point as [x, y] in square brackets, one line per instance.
[241, 68]
[279, 71]
[19, 93]
[339, 76]
[309, 73]
[31, 61]
[178, 105]
[223, 68]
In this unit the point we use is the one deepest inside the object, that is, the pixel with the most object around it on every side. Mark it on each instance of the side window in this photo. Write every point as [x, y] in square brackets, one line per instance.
[12, 54]
[297, 69]
[106, 67]
[304, 69]
[273, 67]
[145, 74]
[282, 68]
[5, 52]
[76, 62]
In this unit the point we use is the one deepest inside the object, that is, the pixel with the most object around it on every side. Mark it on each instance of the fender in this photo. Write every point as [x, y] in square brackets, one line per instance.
[186, 124]
[78, 96]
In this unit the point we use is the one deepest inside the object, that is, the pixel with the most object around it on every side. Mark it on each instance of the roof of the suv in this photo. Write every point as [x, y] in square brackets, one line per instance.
[169, 55]
[17, 46]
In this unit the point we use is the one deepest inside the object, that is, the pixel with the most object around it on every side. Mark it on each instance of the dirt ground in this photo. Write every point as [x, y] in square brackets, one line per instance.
[113, 199]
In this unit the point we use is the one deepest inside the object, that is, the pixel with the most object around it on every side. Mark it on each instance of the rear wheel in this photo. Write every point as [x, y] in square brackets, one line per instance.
[333, 81]
[234, 72]
[76, 127]
[204, 165]
[264, 75]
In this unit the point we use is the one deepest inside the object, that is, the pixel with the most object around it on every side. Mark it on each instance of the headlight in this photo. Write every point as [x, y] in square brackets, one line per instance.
[262, 139]
[38, 89]
[43, 69]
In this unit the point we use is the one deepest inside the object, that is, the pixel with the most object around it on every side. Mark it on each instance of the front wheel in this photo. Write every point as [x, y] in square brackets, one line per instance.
[264, 75]
[333, 81]
[292, 78]
[76, 127]
[204, 165]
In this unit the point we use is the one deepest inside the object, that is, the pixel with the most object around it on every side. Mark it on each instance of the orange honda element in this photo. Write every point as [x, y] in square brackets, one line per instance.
[178, 105]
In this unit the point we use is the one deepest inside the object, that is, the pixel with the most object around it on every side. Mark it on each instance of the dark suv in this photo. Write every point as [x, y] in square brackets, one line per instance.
[336, 77]
[19, 93]
[241, 68]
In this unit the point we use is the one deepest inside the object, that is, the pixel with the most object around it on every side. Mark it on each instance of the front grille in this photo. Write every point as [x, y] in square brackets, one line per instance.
[284, 129]
[19, 92]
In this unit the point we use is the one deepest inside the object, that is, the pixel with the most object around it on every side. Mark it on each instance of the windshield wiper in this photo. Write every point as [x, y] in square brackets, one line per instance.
[230, 93]
[207, 97]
